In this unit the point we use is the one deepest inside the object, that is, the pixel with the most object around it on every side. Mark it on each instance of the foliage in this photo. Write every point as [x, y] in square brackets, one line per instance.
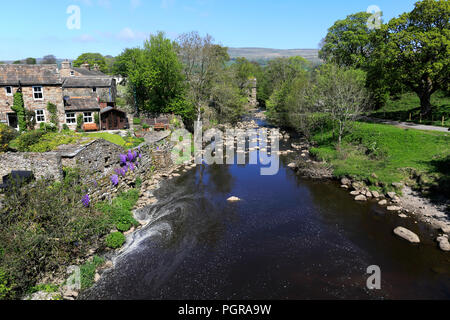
[88, 270]
[80, 121]
[97, 118]
[137, 121]
[7, 134]
[42, 141]
[49, 59]
[25, 140]
[47, 127]
[30, 61]
[19, 108]
[348, 42]
[119, 211]
[5, 286]
[391, 153]
[44, 226]
[115, 240]
[92, 59]
[416, 49]
[127, 142]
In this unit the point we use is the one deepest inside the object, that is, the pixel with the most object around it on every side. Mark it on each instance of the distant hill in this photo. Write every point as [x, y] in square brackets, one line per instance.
[265, 54]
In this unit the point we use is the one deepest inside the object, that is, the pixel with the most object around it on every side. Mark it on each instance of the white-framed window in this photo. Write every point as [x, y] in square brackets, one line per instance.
[38, 93]
[9, 91]
[88, 117]
[72, 73]
[71, 118]
[40, 116]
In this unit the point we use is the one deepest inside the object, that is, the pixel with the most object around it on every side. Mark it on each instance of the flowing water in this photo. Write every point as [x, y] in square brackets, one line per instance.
[289, 238]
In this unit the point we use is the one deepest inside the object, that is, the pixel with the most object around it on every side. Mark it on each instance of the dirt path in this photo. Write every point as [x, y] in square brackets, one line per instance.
[406, 125]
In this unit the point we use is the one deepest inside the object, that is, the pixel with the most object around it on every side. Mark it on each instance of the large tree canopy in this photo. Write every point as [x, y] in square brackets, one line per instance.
[348, 41]
[417, 49]
[92, 59]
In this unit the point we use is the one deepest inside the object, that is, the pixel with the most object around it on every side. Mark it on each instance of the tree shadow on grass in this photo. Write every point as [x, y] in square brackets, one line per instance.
[439, 188]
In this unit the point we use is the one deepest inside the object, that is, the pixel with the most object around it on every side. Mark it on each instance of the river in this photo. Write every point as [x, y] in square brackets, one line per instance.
[289, 238]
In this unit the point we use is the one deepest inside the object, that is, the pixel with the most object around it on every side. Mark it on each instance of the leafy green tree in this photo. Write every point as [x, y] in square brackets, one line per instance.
[92, 59]
[245, 70]
[120, 65]
[18, 62]
[417, 49]
[348, 42]
[30, 61]
[49, 59]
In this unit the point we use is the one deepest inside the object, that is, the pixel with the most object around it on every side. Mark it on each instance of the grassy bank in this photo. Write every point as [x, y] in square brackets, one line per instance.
[407, 108]
[383, 154]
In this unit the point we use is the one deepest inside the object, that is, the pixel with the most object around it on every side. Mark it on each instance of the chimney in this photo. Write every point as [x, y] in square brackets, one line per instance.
[65, 69]
[85, 66]
[96, 67]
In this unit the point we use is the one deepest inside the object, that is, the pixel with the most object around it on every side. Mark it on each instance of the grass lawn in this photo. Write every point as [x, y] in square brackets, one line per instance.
[116, 139]
[383, 154]
[407, 108]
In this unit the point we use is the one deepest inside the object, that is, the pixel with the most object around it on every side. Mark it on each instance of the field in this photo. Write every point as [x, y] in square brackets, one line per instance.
[383, 154]
[407, 108]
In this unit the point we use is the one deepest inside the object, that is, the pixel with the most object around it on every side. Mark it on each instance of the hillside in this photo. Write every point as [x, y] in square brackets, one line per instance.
[264, 54]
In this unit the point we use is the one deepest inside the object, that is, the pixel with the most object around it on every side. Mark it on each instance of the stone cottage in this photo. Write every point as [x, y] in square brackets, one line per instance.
[75, 91]
[40, 84]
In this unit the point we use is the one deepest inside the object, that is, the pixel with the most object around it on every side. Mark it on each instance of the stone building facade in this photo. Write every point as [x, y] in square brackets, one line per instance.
[88, 90]
[40, 85]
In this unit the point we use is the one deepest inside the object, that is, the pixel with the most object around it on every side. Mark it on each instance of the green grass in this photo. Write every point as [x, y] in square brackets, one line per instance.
[128, 142]
[383, 154]
[407, 108]
[88, 270]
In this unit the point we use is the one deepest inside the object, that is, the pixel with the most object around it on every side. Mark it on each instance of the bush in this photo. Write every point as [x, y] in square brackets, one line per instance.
[119, 210]
[80, 121]
[27, 139]
[88, 270]
[115, 240]
[137, 121]
[65, 127]
[7, 134]
[5, 288]
[48, 127]
[44, 226]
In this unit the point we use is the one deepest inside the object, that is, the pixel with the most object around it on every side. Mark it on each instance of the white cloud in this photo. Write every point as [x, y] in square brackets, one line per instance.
[127, 34]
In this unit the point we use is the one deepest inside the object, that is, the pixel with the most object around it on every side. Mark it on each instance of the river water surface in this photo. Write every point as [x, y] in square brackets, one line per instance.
[289, 238]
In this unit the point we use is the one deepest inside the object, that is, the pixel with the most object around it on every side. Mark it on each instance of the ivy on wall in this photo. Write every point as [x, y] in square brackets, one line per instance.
[19, 108]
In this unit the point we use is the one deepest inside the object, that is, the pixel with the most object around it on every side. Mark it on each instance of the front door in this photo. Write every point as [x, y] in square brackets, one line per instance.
[12, 120]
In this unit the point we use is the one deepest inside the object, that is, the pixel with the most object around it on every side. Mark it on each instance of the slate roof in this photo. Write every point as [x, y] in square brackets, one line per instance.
[81, 104]
[87, 72]
[107, 109]
[12, 74]
[87, 82]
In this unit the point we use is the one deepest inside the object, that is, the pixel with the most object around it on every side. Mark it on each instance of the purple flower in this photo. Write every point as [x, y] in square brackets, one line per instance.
[86, 201]
[115, 180]
[123, 159]
[140, 155]
[95, 183]
[118, 171]
[130, 156]
[132, 167]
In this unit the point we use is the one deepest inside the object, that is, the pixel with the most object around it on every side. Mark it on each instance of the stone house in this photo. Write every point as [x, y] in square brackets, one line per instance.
[40, 84]
[74, 91]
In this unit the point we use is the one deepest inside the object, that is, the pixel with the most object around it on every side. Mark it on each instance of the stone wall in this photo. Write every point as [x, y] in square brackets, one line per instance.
[43, 165]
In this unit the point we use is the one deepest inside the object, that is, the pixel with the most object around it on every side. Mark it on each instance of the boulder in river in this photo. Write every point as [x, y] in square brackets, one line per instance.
[346, 181]
[360, 198]
[394, 208]
[391, 195]
[233, 199]
[383, 202]
[406, 234]
[292, 165]
[443, 243]
[375, 194]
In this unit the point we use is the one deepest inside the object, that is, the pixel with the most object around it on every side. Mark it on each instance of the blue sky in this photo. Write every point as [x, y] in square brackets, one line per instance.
[31, 28]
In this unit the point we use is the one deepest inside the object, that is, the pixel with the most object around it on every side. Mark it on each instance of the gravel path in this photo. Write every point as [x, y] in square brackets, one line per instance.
[406, 125]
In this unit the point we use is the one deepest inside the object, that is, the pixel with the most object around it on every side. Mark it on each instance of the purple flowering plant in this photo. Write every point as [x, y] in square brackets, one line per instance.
[86, 200]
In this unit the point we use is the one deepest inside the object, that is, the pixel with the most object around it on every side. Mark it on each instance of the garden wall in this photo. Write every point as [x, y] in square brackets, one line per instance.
[42, 164]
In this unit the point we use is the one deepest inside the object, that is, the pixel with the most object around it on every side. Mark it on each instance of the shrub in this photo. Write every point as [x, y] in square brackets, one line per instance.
[19, 108]
[119, 211]
[137, 121]
[80, 121]
[88, 270]
[52, 109]
[27, 139]
[5, 288]
[65, 127]
[48, 127]
[145, 126]
[115, 240]
[7, 134]
[45, 226]
[97, 118]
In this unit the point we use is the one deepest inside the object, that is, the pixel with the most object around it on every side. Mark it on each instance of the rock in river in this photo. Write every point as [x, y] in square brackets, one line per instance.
[360, 198]
[443, 243]
[406, 234]
[394, 208]
[233, 199]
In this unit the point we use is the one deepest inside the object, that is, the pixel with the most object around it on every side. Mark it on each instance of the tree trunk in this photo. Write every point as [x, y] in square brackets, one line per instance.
[425, 103]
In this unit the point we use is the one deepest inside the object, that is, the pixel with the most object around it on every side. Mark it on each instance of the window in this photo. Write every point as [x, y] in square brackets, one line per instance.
[9, 91]
[94, 89]
[38, 93]
[70, 118]
[72, 73]
[40, 116]
[88, 117]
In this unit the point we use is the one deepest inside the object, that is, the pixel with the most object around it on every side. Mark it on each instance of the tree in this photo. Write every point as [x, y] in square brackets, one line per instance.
[120, 65]
[417, 49]
[30, 61]
[202, 61]
[341, 92]
[92, 59]
[348, 42]
[245, 70]
[49, 59]
[18, 62]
